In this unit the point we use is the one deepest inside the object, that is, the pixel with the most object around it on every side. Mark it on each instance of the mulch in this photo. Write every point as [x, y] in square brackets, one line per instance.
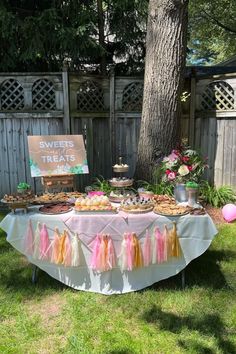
[215, 214]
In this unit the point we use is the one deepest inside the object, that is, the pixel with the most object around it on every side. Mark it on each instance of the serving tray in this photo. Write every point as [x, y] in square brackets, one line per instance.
[111, 211]
[137, 211]
[169, 215]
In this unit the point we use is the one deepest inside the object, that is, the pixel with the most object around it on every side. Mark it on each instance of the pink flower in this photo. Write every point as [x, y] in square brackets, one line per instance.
[171, 176]
[185, 158]
[168, 172]
[190, 168]
[173, 156]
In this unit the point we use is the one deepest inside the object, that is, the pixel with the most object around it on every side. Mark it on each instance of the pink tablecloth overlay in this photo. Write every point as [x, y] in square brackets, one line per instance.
[115, 225]
[195, 236]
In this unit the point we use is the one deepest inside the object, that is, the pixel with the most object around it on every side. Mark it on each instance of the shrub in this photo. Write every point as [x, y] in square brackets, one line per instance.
[217, 197]
[158, 188]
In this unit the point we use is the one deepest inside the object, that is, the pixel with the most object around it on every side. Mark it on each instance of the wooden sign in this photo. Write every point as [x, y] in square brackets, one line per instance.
[57, 155]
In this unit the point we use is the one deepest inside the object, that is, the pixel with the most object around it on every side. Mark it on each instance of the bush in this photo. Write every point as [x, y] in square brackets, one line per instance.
[217, 197]
[158, 188]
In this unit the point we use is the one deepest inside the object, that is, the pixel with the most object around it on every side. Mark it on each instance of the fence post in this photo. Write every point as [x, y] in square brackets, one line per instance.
[112, 115]
[192, 111]
[66, 102]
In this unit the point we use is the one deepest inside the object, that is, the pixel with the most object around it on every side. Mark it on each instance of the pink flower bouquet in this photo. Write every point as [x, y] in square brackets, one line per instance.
[182, 165]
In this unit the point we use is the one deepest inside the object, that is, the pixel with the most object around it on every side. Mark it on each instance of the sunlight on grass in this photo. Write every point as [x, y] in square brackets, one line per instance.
[50, 318]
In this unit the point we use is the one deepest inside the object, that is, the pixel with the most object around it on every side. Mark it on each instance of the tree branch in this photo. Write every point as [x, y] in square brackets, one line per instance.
[220, 24]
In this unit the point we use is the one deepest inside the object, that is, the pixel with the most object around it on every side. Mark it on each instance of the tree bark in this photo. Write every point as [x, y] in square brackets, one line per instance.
[164, 70]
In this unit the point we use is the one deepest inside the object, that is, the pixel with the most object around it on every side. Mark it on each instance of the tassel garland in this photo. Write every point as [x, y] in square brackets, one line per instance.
[131, 253]
[65, 248]
[36, 253]
[103, 256]
[44, 244]
[28, 241]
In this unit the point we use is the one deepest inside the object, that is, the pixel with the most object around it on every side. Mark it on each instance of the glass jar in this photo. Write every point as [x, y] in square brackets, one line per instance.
[192, 196]
[180, 193]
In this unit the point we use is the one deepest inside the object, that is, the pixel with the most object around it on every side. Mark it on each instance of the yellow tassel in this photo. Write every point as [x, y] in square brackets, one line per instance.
[61, 253]
[175, 249]
[138, 257]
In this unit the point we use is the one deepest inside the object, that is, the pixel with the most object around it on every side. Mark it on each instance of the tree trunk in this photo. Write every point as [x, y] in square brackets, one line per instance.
[164, 70]
[101, 36]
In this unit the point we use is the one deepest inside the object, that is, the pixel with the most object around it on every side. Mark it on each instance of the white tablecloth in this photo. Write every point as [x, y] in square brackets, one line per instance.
[195, 236]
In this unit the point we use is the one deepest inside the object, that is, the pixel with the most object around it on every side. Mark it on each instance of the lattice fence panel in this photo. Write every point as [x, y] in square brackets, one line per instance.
[90, 97]
[218, 95]
[43, 95]
[12, 95]
[133, 97]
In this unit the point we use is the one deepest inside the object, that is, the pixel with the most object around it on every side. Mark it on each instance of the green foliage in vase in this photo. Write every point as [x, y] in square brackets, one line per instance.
[157, 188]
[23, 186]
[101, 184]
[216, 197]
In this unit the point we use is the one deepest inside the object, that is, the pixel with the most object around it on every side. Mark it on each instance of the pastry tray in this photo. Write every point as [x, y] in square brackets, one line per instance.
[111, 211]
[59, 212]
[137, 211]
[17, 202]
[120, 169]
[170, 215]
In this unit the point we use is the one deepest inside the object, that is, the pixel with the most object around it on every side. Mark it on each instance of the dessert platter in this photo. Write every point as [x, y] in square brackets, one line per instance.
[52, 209]
[118, 195]
[49, 198]
[18, 200]
[166, 206]
[198, 211]
[94, 204]
[121, 182]
[137, 205]
[120, 168]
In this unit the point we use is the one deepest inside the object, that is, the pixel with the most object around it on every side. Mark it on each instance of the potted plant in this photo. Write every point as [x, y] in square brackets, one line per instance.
[23, 188]
[192, 190]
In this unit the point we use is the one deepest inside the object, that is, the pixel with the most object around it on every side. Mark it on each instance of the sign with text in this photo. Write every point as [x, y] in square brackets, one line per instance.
[57, 155]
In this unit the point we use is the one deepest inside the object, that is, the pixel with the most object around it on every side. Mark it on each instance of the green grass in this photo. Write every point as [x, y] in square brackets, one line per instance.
[51, 318]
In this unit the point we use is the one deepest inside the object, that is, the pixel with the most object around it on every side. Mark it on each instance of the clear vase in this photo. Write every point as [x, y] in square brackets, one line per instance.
[180, 193]
[192, 196]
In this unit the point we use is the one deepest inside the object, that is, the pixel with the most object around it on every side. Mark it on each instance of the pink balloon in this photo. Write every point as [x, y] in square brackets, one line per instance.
[229, 212]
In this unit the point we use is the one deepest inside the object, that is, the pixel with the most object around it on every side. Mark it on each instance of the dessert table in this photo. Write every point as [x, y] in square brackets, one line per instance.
[194, 234]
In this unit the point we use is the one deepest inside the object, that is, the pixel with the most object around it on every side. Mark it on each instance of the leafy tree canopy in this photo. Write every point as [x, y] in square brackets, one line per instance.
[212, 30]
[39, 35]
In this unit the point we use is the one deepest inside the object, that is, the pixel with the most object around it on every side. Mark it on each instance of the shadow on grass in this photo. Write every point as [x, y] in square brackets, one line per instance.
[203, 271]
[209, 324]
[16, 276]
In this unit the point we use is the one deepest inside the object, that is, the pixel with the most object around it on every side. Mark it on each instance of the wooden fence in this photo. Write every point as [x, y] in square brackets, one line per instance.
[107, 111]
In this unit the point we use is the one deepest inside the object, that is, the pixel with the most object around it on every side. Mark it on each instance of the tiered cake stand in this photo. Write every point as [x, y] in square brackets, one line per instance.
[120, 183]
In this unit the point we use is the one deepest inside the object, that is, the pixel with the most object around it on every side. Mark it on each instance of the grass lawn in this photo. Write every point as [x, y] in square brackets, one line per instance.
[50, 318]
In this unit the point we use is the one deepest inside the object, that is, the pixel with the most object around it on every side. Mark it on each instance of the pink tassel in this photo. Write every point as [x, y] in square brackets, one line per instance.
[94, 260]
[55, 245]
[44, 243]
[68, 251]
[154, 247]
[111, 258]
[28, 245]
[147, 250]
[101, 260]
[159, 246]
